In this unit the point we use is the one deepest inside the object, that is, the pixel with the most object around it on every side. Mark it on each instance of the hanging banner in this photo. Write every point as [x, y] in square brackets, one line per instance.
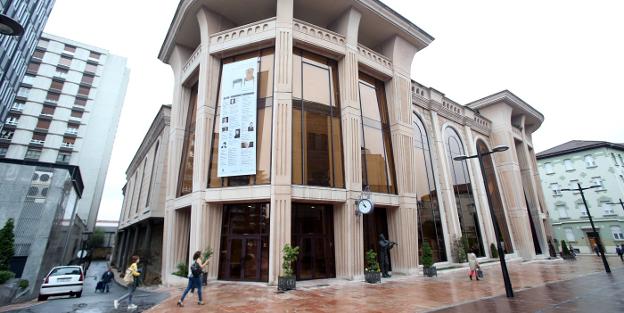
[237, 136]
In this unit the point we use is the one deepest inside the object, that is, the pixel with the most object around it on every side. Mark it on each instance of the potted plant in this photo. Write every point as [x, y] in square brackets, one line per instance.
[288, 281]
[427, 261]
[372, 274]
[494, 251]
[206, 255]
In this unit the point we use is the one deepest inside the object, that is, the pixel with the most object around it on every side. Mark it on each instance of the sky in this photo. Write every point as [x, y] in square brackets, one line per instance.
[564, 58]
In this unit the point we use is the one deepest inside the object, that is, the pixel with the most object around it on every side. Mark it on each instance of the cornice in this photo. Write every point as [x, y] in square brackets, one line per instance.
[159, 123]
[508, 97]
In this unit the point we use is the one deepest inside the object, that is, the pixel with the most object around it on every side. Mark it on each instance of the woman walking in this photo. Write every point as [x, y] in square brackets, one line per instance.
[130, 278]
[474, 265]
[194, 280]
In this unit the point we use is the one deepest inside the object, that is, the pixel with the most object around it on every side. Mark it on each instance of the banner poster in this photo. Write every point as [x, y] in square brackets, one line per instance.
[237, 137]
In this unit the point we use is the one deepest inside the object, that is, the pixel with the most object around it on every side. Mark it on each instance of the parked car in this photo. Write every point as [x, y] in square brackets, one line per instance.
[62, 280]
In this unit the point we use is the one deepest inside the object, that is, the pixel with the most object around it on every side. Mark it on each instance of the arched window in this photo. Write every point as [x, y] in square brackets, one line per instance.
[429, 222]
[497, 203]
[466, 208]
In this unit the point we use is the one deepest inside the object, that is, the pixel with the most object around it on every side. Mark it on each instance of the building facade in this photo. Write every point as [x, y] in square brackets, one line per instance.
[42, 200]
[285, 113]
[590, 163]
[141, 224]
[16, 51]
[66, 111]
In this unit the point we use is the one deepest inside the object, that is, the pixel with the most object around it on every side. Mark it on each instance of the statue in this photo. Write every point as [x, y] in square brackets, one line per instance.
[384, 248]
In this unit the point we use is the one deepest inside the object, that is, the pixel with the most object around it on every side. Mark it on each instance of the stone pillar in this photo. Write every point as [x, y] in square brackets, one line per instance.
[281, 159]
[402, 221]
[348, 236]
[511, 184]
[212, 235]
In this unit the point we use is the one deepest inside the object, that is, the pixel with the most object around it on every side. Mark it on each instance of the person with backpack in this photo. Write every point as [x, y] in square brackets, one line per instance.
[194, 280]
[107, 278]
[620, 251]
[131, 279]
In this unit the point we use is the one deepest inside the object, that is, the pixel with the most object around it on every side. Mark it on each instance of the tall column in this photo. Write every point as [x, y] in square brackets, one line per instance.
[212, 236]
[281, 160]
[511, 184]
[403, 221]
[348, 236]
[208, 23]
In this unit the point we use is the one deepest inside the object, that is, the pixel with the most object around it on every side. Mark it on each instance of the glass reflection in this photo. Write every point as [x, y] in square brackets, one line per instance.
[185, 180]
[429, 221]
[466, 209]
[497, 203]
[377, 160]
[317, 146]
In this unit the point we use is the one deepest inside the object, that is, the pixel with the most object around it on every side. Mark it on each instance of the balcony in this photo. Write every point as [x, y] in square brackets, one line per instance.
[67, 145]
[37, 142]
[71, 132]
[11, 122]
[17, 108]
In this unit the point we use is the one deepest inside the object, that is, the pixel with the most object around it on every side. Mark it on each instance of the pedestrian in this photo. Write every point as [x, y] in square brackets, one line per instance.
[131, 279]
[107, 278]
[596, 250]
[474, 265]
[194, 280]
[620, 251]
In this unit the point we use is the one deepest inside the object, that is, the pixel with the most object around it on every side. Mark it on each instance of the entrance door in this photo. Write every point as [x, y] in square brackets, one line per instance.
[313, 232]
[592, 237]
[244, 251]
[374, 224]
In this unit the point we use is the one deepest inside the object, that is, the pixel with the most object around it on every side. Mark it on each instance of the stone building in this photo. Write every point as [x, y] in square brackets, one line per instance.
[140, 229]
[590, 163]
[285, 111]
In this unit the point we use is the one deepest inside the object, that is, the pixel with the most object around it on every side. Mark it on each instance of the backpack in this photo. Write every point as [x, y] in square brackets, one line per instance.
[196, 270]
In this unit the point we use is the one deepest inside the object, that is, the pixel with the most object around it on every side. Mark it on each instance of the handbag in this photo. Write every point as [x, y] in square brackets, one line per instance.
[128, 277]
[479, 273]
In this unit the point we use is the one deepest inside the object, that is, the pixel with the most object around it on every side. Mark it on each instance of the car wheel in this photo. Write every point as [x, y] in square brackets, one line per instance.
[79, 294]
[42, 298]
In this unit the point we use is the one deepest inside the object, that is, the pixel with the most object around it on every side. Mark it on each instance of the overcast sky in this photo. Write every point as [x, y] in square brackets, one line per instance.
[564, 58]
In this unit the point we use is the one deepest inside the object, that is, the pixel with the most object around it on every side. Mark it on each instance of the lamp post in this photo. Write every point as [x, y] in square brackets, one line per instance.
[620, 203]
[497, 233]
[9, 26]
[591, 221]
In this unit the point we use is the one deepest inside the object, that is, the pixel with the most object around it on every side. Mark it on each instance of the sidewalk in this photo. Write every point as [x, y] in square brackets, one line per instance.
[399, 294]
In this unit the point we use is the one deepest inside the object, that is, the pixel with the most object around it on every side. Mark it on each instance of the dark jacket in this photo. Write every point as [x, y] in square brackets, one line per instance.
[107, 277]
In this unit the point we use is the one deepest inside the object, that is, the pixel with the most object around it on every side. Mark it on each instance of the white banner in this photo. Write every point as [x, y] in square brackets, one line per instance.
[237, 136]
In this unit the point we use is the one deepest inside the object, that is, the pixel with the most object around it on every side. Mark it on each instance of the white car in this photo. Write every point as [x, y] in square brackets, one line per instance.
[62, 280]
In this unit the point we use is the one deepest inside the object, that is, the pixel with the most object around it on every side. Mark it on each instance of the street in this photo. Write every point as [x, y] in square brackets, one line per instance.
[91, 301]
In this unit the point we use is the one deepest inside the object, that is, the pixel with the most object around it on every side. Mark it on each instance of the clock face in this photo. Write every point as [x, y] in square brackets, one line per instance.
[365, 206]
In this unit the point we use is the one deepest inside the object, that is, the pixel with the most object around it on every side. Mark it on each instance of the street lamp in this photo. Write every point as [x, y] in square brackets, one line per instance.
[9, 26]
[497, 232]
[591, 221]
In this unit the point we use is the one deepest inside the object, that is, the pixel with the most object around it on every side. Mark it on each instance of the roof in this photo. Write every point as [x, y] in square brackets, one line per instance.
[577, 145]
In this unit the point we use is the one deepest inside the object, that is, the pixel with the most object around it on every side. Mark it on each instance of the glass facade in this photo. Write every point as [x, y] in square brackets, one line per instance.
[497, 203]
[264, 122]
[185, 183]
[377, 160]
[429, 221]
[317, 144]
[464, 199]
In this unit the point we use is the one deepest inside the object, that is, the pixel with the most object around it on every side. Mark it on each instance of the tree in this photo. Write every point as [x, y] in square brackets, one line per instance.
[7, 249]
[97, 238]
[494, 251]
[427, 255]
[564, 248]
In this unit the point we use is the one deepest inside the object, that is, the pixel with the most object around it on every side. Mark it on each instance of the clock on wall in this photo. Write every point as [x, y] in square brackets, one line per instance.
[365, 206]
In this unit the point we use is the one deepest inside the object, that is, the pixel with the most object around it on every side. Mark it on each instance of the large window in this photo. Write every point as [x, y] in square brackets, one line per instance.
[466, 209]
[263, 132]
[429, 221]
[497, 203]
[185, 178]
[377, 160]
[317, 146]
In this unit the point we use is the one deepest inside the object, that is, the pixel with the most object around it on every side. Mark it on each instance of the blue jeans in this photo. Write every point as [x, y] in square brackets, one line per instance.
[193, 282]
[131, 289]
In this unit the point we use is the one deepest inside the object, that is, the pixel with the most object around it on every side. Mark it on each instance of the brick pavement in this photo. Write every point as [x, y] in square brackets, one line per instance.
[399, 294]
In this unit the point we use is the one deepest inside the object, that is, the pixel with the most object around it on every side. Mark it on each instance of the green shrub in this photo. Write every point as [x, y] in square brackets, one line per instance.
[427, 255]
[493, 250]
[371, 261]
[23, 284]
[182, 270]
[290, 255]
[207, 254]
[7, 249]
[6, 275]
[564, 248]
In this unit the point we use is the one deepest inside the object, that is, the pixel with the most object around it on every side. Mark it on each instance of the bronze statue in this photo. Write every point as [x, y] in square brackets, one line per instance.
[384, 248]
